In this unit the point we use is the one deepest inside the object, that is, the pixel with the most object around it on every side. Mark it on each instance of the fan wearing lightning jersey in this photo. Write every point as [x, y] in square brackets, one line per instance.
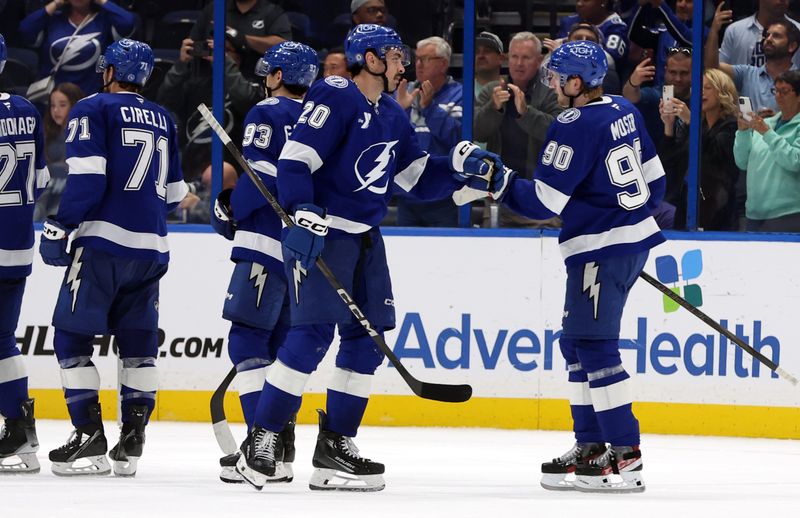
[257, 303]
[75, 32]
[124, 177]
[351, 146]
[23, 177]
[599, 171]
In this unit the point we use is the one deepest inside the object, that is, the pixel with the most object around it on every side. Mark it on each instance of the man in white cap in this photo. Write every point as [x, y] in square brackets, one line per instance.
[369, 11]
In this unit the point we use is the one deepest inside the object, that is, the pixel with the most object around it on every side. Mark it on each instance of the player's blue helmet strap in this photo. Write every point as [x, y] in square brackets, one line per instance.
[298, 63]
[3, 53]
[132, 61]
[378, 38]
[584, 59]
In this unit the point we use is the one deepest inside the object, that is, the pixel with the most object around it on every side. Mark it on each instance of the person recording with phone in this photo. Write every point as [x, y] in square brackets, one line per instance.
[769, 150]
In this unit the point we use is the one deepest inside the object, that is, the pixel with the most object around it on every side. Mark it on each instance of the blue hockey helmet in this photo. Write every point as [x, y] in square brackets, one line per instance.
[378, 38]
[584, 59]
[132, 61]
[298, 63]
[3, 53]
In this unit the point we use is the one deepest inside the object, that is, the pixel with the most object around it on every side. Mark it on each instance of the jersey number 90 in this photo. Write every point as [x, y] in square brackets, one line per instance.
[624, 169]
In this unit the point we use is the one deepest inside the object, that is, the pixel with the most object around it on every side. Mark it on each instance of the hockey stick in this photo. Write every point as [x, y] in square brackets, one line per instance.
[222, 432]
[423, 389]
[714, 325]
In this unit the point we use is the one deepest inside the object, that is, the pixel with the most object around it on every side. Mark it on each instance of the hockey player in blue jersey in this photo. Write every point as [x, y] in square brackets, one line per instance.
[23, 177]
[124, 176]
[351, 146]
[257, 303]
[599, 171]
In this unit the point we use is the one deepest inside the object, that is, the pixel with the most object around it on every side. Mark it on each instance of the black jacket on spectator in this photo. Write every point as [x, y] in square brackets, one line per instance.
[718, 175]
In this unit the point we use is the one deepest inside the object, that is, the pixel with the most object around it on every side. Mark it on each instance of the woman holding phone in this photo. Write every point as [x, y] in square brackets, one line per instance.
[718, 171]
[769, 150]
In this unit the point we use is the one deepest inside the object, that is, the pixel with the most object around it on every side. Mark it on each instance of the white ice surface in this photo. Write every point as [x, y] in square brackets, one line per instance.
[430, 472]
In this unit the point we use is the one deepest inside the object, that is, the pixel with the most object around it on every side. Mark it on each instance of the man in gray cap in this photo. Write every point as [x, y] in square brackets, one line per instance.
[369, 11]
[489, 58]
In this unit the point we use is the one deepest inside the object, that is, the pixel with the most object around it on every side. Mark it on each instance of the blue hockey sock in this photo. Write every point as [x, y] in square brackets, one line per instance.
[13, 378]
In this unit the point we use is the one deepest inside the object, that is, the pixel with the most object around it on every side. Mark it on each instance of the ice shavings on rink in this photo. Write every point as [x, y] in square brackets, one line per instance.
[430, 472]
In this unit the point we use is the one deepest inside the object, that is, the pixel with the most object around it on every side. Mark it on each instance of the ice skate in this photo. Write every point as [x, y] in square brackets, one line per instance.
[559, 474]
[128, 450]
[339, 465]
[18, 443]
[228, 473]
[618, 470]
[287, 441]
[85, 450]
[260, 459]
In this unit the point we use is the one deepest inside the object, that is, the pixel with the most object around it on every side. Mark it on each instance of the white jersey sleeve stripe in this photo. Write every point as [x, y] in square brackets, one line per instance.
[263, 166]
[615, 236]
[16, 257]
[653, 170]
[258, 243]
[300, 152]
[349, 226]
[42, 177]
[408, 177]
[123, 237]
[176, 191]
[86, 165]
[552, 198]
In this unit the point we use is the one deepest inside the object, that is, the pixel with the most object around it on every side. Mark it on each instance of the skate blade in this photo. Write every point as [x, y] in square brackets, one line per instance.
[629, 482]
[126, 468]
[26, 464]
[97, 465]
[324, 479]
[558, 481]
[229, 475]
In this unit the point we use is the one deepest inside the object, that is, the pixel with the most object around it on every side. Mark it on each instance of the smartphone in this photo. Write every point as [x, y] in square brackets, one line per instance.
[745, 107]
[200, 49]
[667, 93]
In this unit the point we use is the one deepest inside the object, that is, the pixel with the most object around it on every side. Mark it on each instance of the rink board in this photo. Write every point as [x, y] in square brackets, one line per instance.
[485, 309]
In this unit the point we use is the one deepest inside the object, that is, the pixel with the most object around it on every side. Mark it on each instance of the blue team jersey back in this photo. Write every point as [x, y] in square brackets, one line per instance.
[124, 175]
[258, 233]
[23, 176]
[599, 170]
[347, 154]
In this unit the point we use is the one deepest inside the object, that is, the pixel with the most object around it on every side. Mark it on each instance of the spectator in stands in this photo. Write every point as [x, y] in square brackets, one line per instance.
[51, 28]
[252, 27]
[600, 13]
[369, 11]
[335, 64]
[196, 207]
[646, 98]
[743, 41]
[513, 116]
[488, 60]
[769, 150]
[583, 31]
[781, 41]
[718, 171]
[187, 84]
[434, 105]
[656, 26]
[62, 99]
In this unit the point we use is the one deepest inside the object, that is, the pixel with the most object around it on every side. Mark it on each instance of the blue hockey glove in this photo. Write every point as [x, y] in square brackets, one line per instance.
[482, 172]
[222, 218]
[305, 240]
[53, 245]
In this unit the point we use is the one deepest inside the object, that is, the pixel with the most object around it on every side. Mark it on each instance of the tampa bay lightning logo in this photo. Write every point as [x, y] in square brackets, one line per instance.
[568, 116]
[336, 81]
[81, 54]
[372, 167]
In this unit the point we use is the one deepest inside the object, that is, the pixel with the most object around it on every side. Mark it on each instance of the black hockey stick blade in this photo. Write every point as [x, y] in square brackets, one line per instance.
[718, 328]
[222, 431]
[433, 391]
